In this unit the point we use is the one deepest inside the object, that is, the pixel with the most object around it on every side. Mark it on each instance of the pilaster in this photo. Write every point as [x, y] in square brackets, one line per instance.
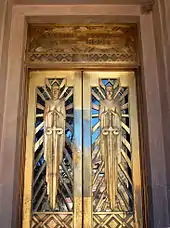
[161, 22]
[5, 22]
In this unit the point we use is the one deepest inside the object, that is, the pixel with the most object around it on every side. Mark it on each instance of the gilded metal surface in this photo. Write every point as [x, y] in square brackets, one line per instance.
[53, 171]
[87, 163]
[54, 132]
[110, 142]
[113, 220]
[50, 186]
[112, 163]
[98, 122]
[107, 43]
[114, 150]
[48, 220]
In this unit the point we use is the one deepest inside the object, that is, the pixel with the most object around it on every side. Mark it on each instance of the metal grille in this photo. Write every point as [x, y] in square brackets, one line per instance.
[82, 151]
[124, 186]
[64, 200]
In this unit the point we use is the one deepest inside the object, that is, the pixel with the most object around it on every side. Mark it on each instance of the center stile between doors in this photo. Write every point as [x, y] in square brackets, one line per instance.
[82, 166]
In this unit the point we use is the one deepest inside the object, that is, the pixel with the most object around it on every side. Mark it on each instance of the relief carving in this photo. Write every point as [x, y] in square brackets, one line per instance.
[54, 118]
[78, 44]
[110, 141]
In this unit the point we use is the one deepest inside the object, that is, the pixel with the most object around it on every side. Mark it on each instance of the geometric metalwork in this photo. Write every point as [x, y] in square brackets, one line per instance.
[111, 156]
[113, 220]
[93, 178]
[53, 160]
[109, 43]
[46, 220]
[64, 195]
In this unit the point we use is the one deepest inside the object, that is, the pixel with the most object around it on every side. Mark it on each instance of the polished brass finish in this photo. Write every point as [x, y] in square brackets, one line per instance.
[109, 116]
[52, 220]
[88, 131]
[111, 103]
[39, 205]
[54, 118]
[89, 44]
[87, 163]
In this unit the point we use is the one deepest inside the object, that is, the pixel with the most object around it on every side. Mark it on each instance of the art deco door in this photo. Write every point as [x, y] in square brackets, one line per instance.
[82, 164]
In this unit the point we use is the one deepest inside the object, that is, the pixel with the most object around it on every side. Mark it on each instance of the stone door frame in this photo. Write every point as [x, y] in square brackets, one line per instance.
[12, 156]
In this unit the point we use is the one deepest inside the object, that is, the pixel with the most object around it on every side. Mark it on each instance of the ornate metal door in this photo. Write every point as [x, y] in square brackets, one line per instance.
[82, 164]
[111, 180]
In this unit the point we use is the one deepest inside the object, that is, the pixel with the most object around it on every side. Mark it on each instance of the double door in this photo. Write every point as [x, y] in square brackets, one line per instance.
[82, 165]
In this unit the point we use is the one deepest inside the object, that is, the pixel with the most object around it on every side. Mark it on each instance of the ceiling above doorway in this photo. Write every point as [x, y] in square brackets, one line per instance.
[72, 2]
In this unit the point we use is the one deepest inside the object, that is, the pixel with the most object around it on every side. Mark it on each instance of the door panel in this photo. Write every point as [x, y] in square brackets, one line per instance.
[82, 164]
[111, 152]
[41, 174]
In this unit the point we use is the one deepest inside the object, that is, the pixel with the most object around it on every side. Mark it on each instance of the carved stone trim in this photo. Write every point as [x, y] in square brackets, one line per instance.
[147, 7]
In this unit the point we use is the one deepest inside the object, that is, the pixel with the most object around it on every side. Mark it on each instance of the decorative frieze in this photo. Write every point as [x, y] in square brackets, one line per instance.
[82, 44]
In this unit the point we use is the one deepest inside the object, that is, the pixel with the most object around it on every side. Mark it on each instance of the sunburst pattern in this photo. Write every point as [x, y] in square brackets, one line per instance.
[124, 197]
[65, 193]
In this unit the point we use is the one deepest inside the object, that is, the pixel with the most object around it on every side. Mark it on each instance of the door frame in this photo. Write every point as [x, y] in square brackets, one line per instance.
[149, 108]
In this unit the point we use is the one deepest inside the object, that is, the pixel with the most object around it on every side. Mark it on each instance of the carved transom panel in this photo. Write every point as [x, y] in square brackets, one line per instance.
[107, 43]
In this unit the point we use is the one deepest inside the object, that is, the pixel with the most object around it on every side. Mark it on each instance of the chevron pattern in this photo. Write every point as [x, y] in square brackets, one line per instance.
[45, 220]
[113, 220]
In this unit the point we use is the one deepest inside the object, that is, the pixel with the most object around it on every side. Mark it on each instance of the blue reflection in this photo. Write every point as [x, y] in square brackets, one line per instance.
[95, 135]
[95, 121]
[69, 135]
[95, 111]
[95, 101]
[41, 161]
[104, 81]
